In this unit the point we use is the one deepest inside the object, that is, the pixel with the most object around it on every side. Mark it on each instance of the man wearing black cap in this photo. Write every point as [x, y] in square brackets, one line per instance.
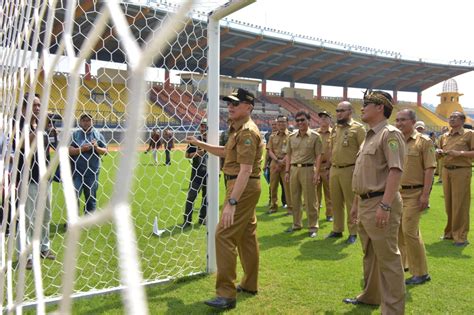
[323, 184]
[198, 178]
[378, 206]
[236, 230]
[86, 148]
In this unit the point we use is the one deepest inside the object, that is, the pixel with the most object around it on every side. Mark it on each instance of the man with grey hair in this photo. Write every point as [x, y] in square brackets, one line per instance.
[345, 141]
[416, 182]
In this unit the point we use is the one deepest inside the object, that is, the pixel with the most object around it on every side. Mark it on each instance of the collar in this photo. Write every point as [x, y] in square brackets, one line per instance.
[284, 133]
[415, 134]
[237, 124]
[460, 132]
[379, 126]
[308, 133]
[327, 131]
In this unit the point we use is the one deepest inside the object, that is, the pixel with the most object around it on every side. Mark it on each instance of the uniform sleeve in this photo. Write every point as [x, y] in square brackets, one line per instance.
[101, 140]
[288, 148]
[247, 146]
[429, 156]
[471, 139]
[318, 145]
[269, 143]
[394, 150]
[360, 135]
[74, 142]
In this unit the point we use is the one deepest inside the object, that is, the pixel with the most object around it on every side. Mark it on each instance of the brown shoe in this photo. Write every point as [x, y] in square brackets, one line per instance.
[29, 264]
[48, 254]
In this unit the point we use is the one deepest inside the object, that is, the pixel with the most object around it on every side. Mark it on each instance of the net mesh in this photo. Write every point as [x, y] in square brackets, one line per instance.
[137, 70]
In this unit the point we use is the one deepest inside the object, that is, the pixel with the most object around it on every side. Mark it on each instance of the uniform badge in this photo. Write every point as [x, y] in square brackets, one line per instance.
[247, 142]
[393, 144]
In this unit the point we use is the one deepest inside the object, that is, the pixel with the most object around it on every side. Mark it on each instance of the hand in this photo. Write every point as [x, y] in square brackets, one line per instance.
[86, 147]
[440, 153]
[316, 178]
[381, 217]
[424, 201]
[354, 214]
[191, 140]
[227, 217]
[453, 153]
[287, 177]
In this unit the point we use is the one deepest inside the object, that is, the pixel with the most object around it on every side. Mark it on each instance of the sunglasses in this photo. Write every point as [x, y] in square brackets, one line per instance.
[300, 120]
[341, 110]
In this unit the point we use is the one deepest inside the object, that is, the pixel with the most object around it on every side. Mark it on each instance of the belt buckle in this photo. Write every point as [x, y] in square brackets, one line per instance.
[299, 165]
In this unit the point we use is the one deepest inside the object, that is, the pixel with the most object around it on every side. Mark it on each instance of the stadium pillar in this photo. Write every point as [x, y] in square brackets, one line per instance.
[418, 99]
[344, 93]
[318, 92]
[167, 78]
[264, 87]
[395, 97]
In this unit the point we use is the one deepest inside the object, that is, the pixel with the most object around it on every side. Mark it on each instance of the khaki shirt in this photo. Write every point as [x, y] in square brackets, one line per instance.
[278, 143]
[420, 155]
[244, 146]
[303, 149]
[382, 149]
[326, 141]
[345, 143]
[459, 141]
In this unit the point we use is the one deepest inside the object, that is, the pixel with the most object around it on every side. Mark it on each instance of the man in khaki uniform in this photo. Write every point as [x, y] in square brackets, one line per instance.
[346, 139]
[323, 184]
[378, 206]
[457, 148]
[440, 156]
[302, 172]
[416, 183]
[236, 230]
[276, 149]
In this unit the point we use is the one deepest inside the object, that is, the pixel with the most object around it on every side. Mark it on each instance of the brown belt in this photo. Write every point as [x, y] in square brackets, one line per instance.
[302, 165]
[371, 195]
[343, 166]
[231, 177]
[453, 167]
[412, 186]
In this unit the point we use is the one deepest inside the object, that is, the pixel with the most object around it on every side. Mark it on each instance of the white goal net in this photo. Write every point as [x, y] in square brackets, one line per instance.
[85, 210]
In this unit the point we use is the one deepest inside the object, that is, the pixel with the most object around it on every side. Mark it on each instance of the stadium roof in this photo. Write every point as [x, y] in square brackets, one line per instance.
[251, 53]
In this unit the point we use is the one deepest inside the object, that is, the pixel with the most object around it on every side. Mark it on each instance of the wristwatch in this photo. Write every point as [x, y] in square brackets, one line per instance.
[232, 202]
[385, 207]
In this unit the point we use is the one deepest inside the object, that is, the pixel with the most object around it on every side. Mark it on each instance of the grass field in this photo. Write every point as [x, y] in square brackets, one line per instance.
[298, 275]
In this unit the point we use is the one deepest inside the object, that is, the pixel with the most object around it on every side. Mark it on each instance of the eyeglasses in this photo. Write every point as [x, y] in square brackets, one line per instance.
[454, 117]
[300, 120]
[401, 119]
[233, 103]
[341, 110]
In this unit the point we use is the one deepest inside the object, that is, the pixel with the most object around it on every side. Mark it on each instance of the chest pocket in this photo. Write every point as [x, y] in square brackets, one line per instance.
[230, 148]
[369, 151]
[413, 152]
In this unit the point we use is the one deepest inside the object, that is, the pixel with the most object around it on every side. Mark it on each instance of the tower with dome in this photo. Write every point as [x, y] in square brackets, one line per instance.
[449, 99]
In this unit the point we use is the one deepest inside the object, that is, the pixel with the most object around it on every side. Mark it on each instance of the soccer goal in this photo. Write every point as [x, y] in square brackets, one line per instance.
[128, 69]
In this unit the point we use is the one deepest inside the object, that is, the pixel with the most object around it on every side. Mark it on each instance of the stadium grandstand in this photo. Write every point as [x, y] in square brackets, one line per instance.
[261, 54]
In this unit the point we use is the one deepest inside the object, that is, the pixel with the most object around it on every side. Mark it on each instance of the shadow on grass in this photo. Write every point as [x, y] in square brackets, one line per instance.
[322, 249]
[445, 249]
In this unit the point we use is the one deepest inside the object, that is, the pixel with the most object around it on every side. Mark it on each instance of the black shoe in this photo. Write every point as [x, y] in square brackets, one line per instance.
[185, 225]
[202, 221]
[351, 239]
[329, 218]
[48, 254]
[334, 235]
[444, 238]
[242, 290]
[418, 279]
[461, 244]
[406, 269]
[292, 229]
[312, 234]
[271, 211]
[221, 303]
[355, 301]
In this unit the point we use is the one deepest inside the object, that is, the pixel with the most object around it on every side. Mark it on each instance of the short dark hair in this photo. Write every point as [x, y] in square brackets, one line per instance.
[387, 111]
[25, 98]
[303, 113]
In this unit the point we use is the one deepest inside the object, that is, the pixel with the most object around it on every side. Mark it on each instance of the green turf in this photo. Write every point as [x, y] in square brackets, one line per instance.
[298, 275]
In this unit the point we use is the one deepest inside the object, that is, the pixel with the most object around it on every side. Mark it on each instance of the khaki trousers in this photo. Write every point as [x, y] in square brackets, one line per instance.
[384, 281]
[301, 183]
[410, 242]
[276, 174]
[457, 200]
[340, 185]
[324, 185]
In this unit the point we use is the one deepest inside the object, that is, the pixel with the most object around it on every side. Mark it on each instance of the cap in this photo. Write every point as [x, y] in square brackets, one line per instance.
[420, 124]
[203, 121]
[378, 97]
[324, 113]
[241, 95]
[85, 115]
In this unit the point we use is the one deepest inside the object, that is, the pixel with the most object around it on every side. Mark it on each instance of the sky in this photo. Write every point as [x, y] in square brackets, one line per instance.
[436, 31]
